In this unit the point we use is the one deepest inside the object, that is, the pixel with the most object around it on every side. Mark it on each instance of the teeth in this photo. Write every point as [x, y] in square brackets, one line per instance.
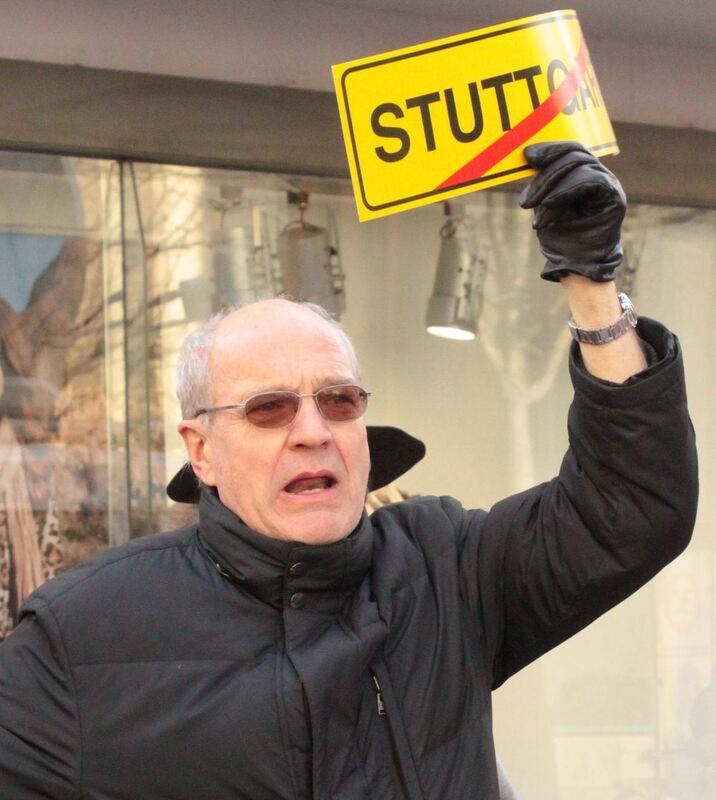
[310, 485]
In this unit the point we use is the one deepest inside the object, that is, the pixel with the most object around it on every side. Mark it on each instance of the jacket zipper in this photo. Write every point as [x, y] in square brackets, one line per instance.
[396, 732]
[378, 696]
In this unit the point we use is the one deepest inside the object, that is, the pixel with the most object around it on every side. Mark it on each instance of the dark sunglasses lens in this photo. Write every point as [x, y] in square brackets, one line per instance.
[272, 409]
[342, 403]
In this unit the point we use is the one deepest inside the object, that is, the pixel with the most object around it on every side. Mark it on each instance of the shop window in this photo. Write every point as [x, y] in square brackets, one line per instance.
[54, 500]
[106, 266]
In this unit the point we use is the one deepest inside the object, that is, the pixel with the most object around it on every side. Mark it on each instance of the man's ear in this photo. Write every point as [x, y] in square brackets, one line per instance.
[198, 449]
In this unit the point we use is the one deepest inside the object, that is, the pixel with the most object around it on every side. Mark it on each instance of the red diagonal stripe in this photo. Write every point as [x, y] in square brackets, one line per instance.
[533, 123]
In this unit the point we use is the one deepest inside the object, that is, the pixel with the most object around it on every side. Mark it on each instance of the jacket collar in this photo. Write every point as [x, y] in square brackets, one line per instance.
[274, 570]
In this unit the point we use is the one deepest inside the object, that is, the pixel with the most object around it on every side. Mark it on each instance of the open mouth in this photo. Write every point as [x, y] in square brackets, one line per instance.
[313, 484]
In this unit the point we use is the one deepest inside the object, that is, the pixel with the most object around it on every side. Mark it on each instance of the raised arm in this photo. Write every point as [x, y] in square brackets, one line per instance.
[555, 557]
[578, 207]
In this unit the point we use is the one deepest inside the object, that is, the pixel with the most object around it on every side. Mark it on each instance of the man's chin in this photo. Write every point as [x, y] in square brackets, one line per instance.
[319, 528]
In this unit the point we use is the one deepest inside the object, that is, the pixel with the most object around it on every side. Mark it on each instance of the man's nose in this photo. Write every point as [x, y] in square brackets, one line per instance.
[309, 429]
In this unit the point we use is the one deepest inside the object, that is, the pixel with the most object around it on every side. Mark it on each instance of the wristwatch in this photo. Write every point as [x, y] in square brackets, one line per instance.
[625, 323]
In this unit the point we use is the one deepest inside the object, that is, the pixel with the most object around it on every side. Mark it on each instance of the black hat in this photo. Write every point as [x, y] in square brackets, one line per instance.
[392, 453]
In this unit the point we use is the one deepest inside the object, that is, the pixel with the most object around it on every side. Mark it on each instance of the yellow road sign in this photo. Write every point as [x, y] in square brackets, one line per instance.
[437, 120]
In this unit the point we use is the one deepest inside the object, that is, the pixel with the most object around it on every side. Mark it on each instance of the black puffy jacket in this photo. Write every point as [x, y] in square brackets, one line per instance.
[216, 663]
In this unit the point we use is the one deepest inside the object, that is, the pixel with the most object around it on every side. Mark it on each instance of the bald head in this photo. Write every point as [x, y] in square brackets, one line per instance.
[239, 327]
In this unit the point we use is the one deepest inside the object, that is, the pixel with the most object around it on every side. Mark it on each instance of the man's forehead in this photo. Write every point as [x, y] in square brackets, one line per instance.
[270, 312]
[271, 330]
[272, 319]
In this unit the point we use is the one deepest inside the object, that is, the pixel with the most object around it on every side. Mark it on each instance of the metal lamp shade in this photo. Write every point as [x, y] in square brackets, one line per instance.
[304, 253]
[451, 311]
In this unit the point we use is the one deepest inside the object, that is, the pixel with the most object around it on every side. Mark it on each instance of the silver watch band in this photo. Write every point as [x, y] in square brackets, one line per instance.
[626, 322]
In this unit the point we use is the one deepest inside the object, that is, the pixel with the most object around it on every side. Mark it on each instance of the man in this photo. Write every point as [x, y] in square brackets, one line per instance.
[292, 647]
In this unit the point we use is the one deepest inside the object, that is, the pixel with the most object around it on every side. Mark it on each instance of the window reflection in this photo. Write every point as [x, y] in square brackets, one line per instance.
[104, 268]
[53, 499]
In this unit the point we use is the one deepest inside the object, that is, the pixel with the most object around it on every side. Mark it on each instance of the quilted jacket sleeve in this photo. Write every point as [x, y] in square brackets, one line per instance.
[38, 726]
[552, 559]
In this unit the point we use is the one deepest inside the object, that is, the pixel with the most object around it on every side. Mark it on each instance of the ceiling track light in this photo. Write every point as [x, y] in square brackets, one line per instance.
[242, 264]
[310, 266]
[452, 309]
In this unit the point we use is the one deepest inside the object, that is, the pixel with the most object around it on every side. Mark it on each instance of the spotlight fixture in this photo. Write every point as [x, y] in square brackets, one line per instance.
[241, 263]
[310, 267]
[451, 309]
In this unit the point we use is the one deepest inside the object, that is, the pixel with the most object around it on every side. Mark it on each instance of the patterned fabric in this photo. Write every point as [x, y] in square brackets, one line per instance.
[30, 552]
[50, 541]
[6, 620]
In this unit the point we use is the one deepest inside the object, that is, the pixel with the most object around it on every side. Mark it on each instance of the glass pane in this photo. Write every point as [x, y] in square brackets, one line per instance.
[213, 238]
[143, 438]
[53, 389]
[104, 269]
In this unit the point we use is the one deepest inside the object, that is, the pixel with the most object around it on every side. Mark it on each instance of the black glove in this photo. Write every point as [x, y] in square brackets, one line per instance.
[579, 207]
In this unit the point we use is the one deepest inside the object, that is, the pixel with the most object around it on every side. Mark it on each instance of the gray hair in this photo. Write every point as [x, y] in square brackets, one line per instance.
[193, 385]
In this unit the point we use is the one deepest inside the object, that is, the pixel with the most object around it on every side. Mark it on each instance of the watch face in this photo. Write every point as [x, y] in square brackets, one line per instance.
[624, 302]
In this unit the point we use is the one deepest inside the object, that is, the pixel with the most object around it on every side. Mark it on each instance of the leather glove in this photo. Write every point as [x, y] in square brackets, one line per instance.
[578, 207]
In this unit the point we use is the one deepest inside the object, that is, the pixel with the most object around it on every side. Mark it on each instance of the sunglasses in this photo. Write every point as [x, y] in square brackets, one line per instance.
[341, 403]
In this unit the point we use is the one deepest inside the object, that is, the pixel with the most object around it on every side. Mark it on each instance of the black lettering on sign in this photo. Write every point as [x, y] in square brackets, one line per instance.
[423, 103]
[528, 75]
[559, 66]
[585, 94]
[390, 132]
[468, 125]
[478, 122]
[498, 84]
[588, 91]
[591, 78]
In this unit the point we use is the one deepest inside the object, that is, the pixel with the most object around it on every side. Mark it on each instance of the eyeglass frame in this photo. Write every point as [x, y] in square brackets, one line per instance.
[241, 406]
